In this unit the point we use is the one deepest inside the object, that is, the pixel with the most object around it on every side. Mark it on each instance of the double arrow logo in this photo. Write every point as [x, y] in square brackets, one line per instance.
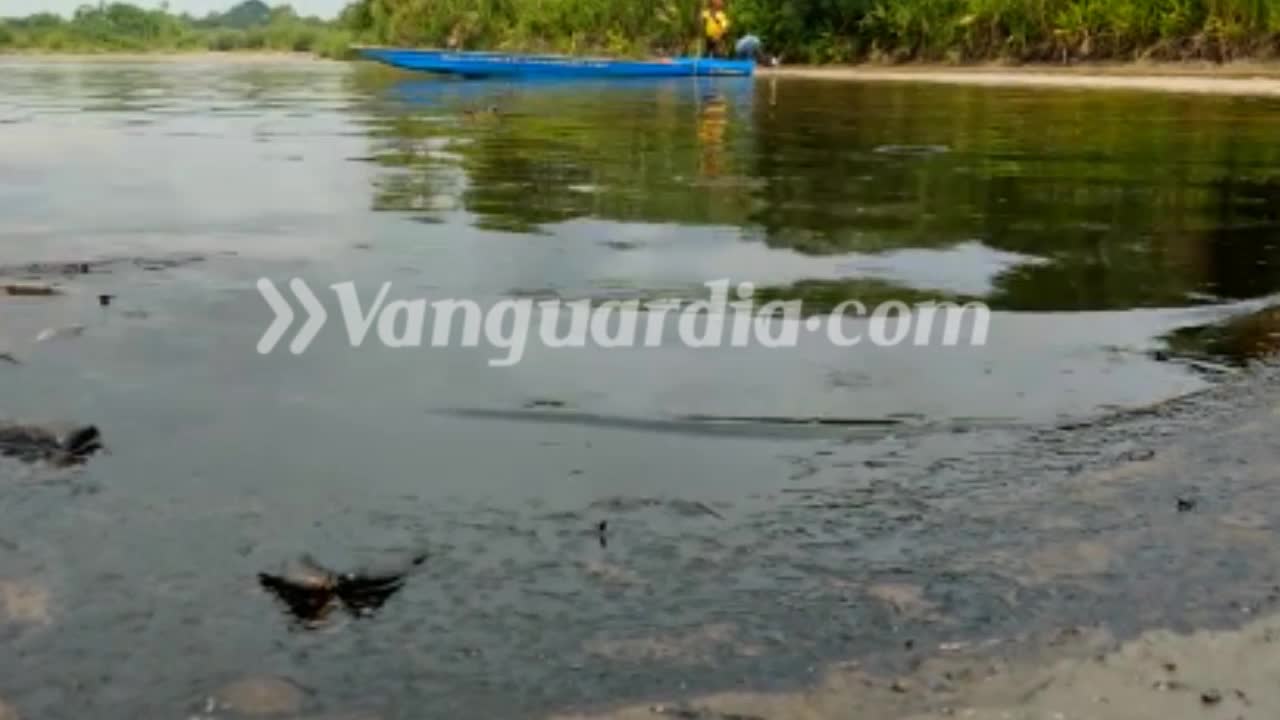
[316, 316]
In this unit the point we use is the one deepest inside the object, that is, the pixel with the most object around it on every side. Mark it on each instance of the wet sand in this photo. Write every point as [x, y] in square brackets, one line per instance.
[1246, 79]
[1207, 674]
[1228, 674]
[1221, 668]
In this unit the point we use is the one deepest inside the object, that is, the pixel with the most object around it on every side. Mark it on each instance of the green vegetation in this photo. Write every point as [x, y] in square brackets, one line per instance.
[615, 26]
[798, 30]
[845, 30]
[120, 27]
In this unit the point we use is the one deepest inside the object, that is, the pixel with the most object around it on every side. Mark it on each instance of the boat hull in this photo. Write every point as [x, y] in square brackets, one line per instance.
[483, 65]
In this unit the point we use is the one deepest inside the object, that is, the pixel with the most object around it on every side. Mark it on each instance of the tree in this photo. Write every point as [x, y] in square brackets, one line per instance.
[250, 13]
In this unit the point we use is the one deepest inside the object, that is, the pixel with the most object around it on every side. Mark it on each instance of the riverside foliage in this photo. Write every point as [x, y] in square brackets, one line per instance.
[845, 30]
[121, 27]
[798, 30]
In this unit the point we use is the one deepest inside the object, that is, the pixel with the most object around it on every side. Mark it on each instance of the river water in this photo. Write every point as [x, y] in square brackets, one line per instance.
[1104, 229]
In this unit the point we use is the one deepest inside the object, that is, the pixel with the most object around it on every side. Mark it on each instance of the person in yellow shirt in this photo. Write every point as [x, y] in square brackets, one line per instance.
[715, 24]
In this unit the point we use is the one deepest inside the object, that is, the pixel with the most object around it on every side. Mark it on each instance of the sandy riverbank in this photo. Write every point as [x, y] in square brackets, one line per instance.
[1255, 79]
[1205, 675]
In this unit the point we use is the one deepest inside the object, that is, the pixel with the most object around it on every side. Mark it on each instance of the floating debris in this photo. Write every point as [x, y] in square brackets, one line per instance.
[39, 270]
[544, 403]
[1186, 504]
[104, 300]
[914, 150]
[311, 591]
[797, 420]
[68, 331]
[264, 696]
[31, 290]
[620, 245]
[1211, 697]
[61, 446]
[8, 357]
[168, 263]
[1142, 455]
[677, 506]
[23, 603]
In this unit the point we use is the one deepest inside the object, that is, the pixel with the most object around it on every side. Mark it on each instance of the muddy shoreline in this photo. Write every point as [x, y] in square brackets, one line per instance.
[1193, 488]
[1086, 674]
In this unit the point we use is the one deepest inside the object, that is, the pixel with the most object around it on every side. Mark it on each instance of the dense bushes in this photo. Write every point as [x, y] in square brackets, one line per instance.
[844, 30]
[615, 26]
[250, 25]
[799, 30]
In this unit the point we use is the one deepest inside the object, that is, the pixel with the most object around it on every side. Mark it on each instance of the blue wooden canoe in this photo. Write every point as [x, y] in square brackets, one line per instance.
[491, 64]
